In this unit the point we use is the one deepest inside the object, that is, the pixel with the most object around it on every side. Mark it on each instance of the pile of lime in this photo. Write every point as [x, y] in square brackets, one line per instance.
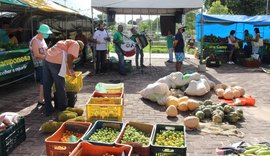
[170, 138]
[105, 135]
[133, 135]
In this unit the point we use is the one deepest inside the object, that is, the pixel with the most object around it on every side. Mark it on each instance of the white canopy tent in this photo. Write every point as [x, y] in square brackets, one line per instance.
[146, 7]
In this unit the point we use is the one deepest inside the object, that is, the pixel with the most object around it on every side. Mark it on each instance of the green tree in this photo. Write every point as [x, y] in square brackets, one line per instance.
[218, 8]
[190, 23]
[130, 22]
[241, 7]
[144, 25]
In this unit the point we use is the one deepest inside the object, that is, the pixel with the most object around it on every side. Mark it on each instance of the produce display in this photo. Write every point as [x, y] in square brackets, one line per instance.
[69, 136]
[133, 135]
[214, 39]
[257, 150]
[105, 135]
[228, 92]
[170, 138]
[218, 112]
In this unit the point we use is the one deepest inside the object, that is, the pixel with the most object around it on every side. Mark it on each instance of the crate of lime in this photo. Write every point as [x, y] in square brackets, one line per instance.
[169, 140]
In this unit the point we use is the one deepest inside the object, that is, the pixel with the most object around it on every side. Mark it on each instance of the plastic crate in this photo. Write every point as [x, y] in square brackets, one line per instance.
[137, 149]
[128, 65]
[12, 137]
[98, 94]
[87, 149]
[55, 147]
[111, 88]
[73, 84]
[100, 124]
[110, 108]
[168, 150]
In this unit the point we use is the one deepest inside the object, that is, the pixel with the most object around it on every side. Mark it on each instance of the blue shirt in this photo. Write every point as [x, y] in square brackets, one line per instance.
[4, 36]
[180, 44]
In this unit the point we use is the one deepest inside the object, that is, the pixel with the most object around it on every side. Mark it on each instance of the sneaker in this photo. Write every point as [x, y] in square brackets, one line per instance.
[229, 62]
[169, 61]
[232, 62]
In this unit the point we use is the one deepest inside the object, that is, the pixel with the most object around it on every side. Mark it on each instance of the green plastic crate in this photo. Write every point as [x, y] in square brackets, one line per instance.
[157, 150]
[12, 137]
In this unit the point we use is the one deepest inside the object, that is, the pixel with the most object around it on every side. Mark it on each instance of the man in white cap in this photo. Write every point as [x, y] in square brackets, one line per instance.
[179, 46]
[38, 49]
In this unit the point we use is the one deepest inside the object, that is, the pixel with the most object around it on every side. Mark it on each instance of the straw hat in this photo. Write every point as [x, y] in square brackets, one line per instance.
[44, 29]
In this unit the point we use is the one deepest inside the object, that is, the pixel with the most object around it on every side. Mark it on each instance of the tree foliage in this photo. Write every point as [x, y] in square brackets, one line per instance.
[218, 8]
[241, 7]
[190, 23]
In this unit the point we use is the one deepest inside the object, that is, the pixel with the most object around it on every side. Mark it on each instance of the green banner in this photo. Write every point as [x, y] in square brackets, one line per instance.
[15, 64]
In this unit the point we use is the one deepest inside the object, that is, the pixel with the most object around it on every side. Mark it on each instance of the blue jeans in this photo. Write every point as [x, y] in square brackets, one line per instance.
[170, 51]
[121, 61]
[50, 76]
[39, 74]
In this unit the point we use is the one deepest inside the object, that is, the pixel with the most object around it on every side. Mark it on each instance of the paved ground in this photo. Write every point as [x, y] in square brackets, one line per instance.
[21, 98]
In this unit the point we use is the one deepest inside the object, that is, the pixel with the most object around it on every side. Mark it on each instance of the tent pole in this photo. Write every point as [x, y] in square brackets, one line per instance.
[150, 45]
[201, 46]
[93, 31]
[32, 24]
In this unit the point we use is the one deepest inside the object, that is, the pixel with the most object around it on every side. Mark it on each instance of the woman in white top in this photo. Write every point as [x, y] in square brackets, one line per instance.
[38, 48]
[255, 41]
[232, 41]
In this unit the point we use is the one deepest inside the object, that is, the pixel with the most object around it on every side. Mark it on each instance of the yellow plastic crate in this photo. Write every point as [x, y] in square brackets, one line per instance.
[73, 84]
[110, 108]
[112, 88]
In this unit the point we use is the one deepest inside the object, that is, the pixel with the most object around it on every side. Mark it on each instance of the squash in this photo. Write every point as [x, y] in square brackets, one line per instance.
[191, 122]
[65, 115]
[217, 119]
[208, 112]
[77, 110]
[236, 93]
[228, 94]
[240, 114]
[228, 109]
[182, 107]
[232, 117]
[218, 112]
[207, 102]
[183, 99]
[220, 92]
[192, 104]
[171, 100]
[241, 89]
[171, 111]
[200, 115]
[221, 86]
[50, 126]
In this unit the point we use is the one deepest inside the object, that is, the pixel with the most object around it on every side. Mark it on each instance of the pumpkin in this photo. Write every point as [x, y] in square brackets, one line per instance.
[241, 89]
[191, 122]
[236, 93]
[192, 104]
[182, 107]
[228, 94]
[207, 102]
[228, 109]
[233, 117]
[240, 113]
[220, 92]
[171, 100]
[208, 112]
[183, 99]
[221, 86]
[171, 111]
[218, 112]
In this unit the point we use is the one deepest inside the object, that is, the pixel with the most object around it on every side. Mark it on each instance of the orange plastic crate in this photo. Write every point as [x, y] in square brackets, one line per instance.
[53, 145]
[110, 108]
[87, 149]
[137, 149]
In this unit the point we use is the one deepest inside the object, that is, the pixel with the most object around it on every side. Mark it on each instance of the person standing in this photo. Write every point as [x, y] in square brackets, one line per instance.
[179, 45]
[80, 36]
[255, 41]
[139, 51]
[231, 46]
[248, 46]
[5, 31]
[169, 39]
[101, 38]
[59, 62]
[38, 49]
[118, 40]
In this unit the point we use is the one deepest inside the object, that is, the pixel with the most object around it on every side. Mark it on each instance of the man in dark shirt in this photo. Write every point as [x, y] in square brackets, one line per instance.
[179, 45]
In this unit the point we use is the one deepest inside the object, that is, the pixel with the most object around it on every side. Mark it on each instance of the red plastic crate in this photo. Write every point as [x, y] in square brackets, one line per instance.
[137, 149]
[87, 149]
[56, 148]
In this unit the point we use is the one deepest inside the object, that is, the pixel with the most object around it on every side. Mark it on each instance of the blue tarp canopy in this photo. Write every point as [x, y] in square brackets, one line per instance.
[221, 25]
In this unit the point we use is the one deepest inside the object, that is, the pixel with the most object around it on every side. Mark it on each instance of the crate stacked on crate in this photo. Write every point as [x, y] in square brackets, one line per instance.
[106, 103]
[66, 138]
[11, 137]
